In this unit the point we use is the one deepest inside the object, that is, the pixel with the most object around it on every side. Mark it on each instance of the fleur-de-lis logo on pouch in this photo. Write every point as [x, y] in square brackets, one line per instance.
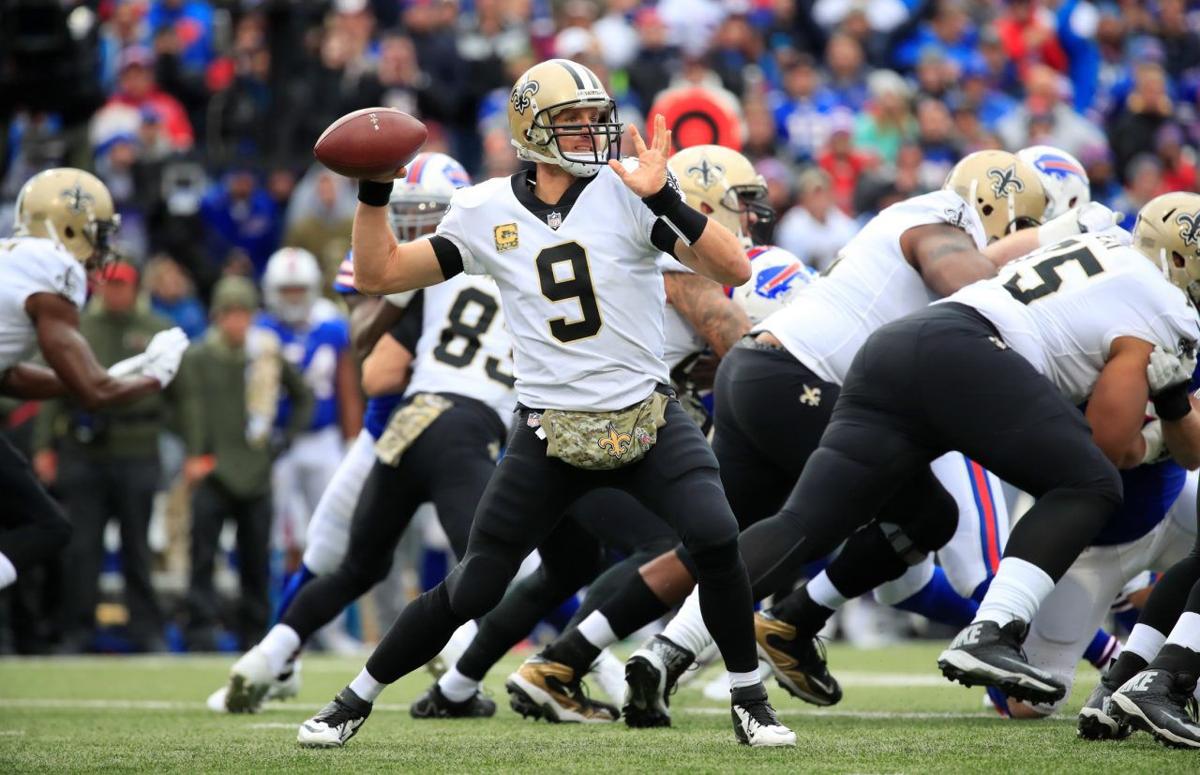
[615, 443]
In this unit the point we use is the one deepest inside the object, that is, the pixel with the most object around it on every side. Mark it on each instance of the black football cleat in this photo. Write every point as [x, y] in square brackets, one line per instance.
[434, 704]
[650, 678]
[1162, 704]
[986, 654]
[1096, 721]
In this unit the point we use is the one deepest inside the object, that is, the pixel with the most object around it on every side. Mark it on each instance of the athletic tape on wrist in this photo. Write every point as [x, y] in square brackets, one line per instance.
[374, 193]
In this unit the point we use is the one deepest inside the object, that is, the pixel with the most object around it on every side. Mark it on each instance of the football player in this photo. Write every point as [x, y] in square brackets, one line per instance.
[701, 322]
[573, 246]
[63, 222]
[316, 340]
[1151, 684]
[1025, 349]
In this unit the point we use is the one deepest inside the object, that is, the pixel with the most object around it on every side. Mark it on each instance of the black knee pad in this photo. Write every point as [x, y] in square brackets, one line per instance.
[477, 584]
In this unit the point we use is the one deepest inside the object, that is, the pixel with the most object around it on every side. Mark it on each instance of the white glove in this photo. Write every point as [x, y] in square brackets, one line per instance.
[1090, 218]
[1168, 369]
[163, 355]
[1156, 449]
[130, 367]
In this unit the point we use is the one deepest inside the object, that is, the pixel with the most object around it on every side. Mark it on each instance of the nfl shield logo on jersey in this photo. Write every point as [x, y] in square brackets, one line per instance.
[554, 220]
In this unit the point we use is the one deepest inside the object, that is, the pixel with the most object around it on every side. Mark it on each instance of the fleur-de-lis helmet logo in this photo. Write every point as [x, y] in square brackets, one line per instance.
[1189, 230]
[522, 96]
[78, 200]
[706, 172]
[1005, 179]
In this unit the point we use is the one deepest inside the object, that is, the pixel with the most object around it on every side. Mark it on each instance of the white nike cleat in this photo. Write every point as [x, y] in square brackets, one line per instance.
[336, 723]
[250, 679]
[287, 686]
[754, 721]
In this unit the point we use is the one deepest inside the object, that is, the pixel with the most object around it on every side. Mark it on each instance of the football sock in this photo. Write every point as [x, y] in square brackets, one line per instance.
[366, 687]
[686, 628]
[1016, 592]
[800, 610]
[456, 686]
[1102, 648]
[573, 650]
[597, 630]
[938, 602]
[1145, 642]
[823, 592]
[279, 645]
[1186, 632]
[1170, 595]
[8, 573]
[742, 680]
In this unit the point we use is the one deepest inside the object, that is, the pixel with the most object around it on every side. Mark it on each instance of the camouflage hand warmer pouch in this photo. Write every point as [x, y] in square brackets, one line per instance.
[601, 441]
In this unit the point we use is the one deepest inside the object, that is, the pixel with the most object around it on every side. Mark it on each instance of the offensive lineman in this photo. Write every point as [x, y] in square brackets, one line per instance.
[1078, 319]
[572, 246]
[63, 222]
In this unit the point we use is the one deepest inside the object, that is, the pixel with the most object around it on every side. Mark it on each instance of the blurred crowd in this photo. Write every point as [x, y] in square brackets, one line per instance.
[200, 115]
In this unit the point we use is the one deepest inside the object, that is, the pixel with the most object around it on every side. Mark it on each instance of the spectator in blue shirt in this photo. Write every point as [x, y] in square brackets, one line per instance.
[801, 113]
[239, 213]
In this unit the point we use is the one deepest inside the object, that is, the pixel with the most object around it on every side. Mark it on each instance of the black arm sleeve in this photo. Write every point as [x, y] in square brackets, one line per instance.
[447, 255]
[664, 237]
[407, 330]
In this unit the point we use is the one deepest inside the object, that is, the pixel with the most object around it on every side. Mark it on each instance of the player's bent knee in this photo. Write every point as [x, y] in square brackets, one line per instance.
[477, 584]
[716, 560]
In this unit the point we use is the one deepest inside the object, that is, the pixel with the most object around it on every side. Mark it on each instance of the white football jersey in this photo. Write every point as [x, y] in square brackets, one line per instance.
[680, 340]
[869, 285]
[584, 301]
[464, 348]
[30, 265]
[1062, 306]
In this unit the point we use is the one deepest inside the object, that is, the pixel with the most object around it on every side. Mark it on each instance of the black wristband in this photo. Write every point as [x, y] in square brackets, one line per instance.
[668, 205]
[374, 193]
[1174, 403]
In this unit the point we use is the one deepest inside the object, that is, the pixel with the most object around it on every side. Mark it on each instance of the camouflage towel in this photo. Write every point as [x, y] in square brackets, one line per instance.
[601, 441]
[407, 424]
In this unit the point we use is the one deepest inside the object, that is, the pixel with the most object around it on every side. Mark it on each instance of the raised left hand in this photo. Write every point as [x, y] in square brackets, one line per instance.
[651, 173]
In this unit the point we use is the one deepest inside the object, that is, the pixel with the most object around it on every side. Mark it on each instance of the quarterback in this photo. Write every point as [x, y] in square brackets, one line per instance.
[573, 247]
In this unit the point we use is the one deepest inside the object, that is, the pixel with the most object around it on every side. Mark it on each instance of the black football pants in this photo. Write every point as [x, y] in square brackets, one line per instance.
[449, 464]
[32, 524]
[935, 381]
[523, 506]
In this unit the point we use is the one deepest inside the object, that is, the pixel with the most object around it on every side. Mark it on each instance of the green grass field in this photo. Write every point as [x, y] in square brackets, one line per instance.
[148, 715]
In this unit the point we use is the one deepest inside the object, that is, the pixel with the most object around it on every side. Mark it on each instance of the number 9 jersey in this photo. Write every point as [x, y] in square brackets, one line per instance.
[464, 348]
[583, 297]
[1062, 306]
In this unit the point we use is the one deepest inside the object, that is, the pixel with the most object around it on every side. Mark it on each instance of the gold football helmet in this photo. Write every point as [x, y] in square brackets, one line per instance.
[722, 184]
[1005, 191]
[544, 91]
[70, 207]
[1167, 231]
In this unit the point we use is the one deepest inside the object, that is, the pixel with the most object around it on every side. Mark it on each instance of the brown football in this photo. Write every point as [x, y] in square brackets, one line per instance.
[370, 143]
